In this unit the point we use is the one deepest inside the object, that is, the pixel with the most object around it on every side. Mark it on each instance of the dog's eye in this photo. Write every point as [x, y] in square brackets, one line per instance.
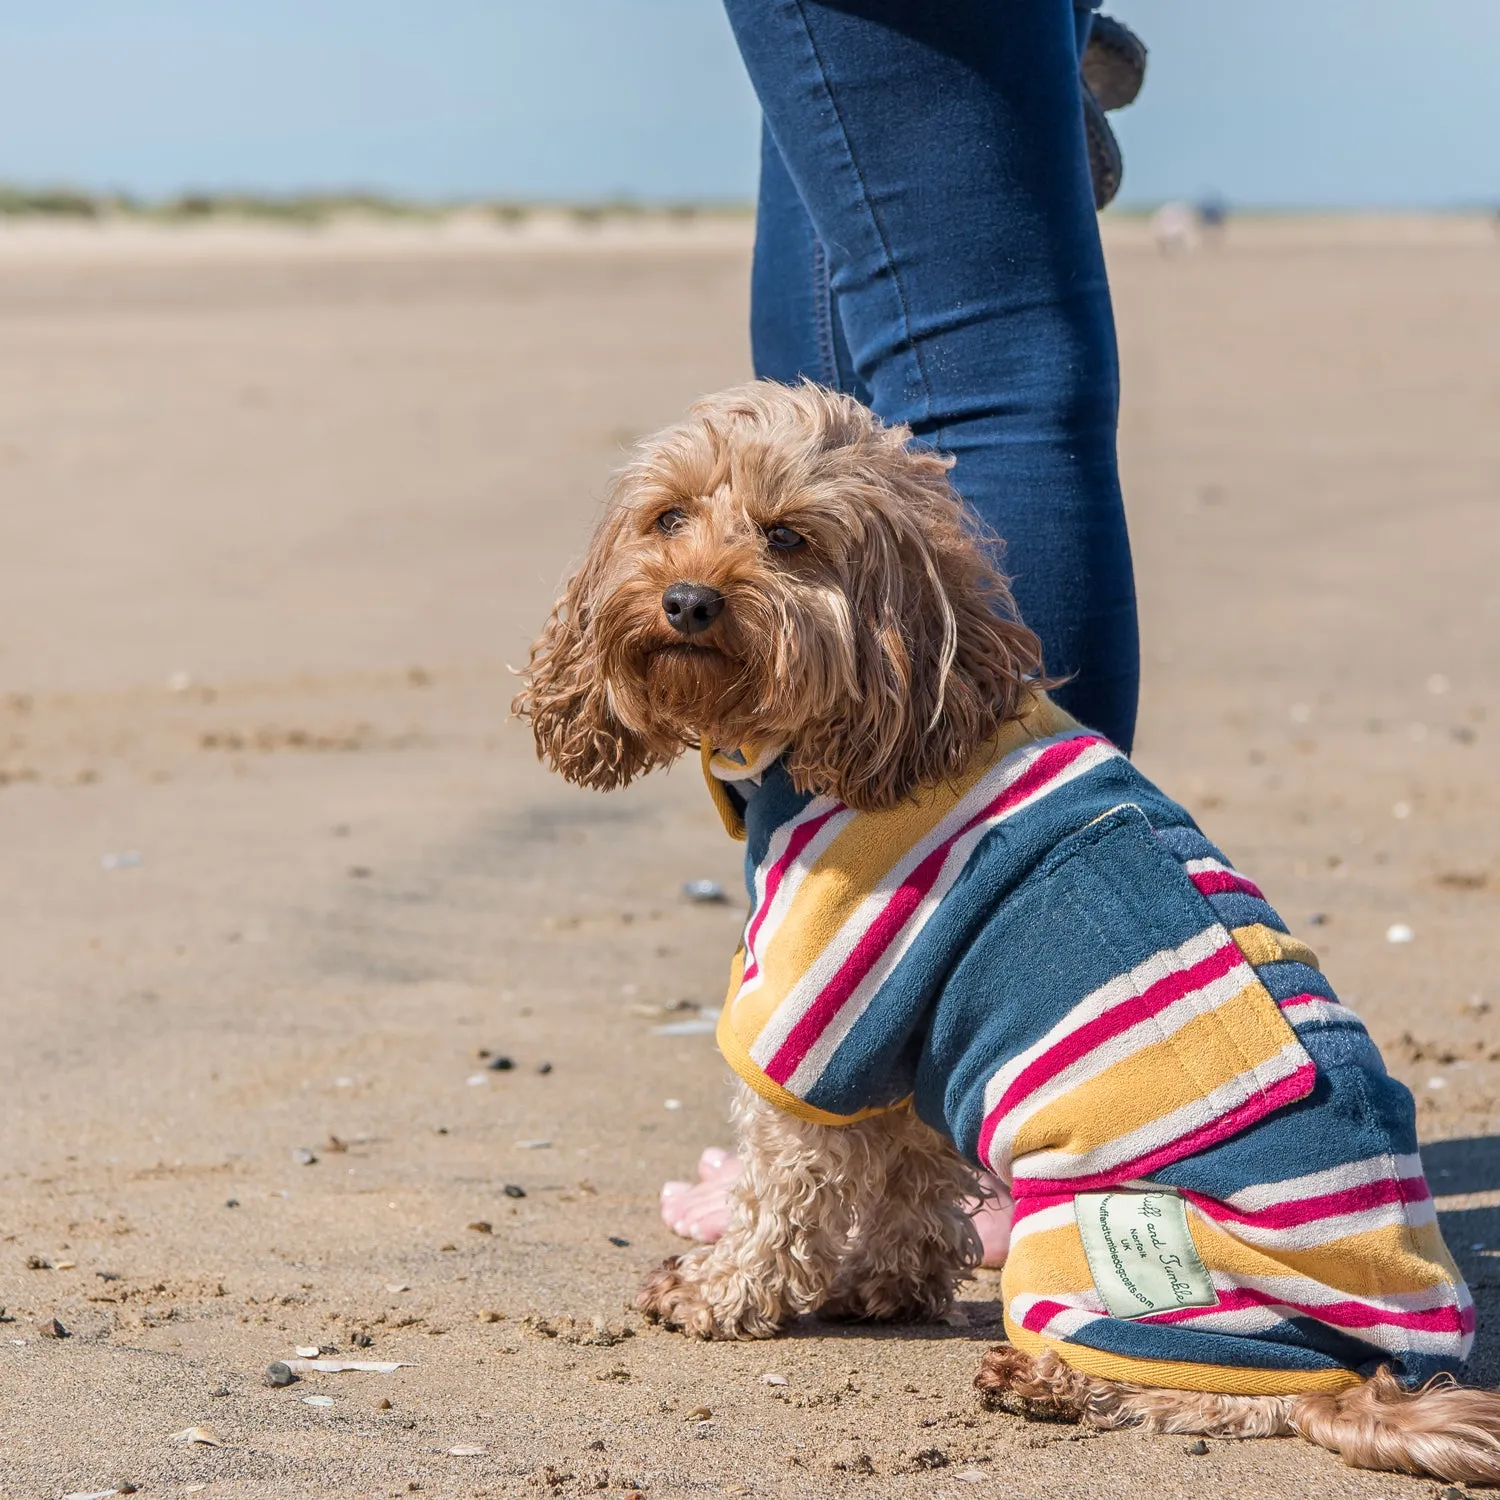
[783, 538]
[669, 521]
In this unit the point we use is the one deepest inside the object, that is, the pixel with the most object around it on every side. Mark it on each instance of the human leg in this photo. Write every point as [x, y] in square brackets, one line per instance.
[939, 155]
[795, 330]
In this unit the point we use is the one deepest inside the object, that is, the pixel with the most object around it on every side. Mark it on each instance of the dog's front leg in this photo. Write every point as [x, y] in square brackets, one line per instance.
[785, 1242]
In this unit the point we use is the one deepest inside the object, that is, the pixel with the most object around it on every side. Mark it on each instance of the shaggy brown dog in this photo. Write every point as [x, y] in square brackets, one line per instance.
[781, 569]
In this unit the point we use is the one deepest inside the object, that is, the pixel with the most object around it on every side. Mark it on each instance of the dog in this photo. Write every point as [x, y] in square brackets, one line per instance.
[979, 937]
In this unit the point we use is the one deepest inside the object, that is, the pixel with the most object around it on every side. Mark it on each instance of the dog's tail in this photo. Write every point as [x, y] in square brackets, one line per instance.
[1446, 1430]
[1443, 1430]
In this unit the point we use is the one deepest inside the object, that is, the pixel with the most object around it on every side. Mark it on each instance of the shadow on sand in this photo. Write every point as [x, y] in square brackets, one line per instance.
[1472, 1165]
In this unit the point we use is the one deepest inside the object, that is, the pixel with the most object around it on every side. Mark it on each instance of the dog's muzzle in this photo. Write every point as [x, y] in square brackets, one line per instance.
[691, 607]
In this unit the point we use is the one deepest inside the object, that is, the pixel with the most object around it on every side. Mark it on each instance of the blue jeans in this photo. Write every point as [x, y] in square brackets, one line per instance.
[926, 240]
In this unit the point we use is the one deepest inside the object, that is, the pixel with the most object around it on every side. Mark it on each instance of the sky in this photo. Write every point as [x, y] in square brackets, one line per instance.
[1294, 103]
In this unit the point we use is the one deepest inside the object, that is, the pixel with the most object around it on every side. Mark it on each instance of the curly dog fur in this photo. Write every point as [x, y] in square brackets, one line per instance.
[862, 623]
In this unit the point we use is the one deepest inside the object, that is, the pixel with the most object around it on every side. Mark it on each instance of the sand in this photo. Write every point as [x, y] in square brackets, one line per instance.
[277, 868]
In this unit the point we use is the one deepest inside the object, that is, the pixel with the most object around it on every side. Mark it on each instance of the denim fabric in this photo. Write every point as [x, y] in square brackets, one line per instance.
[927, 241]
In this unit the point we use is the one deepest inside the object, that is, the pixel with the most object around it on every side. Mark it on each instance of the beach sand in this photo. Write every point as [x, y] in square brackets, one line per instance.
[277, 869]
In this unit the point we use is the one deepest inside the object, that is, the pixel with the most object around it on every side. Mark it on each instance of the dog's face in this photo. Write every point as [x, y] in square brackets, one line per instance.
[781, 569]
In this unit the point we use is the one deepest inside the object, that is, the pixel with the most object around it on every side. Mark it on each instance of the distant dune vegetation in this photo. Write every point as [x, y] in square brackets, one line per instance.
[61, 202]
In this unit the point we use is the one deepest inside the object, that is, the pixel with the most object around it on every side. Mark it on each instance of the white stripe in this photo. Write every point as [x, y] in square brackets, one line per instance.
[1250, 1322]
[1326, 1231]
[1317, 1184]
[780, 841]
[1119, 1048]
[1059, 1216]
[1303, 1300]
[1082, 1308]
[1163, 1131]
[1317, 1011]
[791, 878]
[1310, 1293]
[820, 972]
[1210, 866]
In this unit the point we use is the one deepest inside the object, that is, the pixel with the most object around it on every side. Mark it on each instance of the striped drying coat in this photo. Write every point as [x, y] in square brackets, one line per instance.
[1065, 977]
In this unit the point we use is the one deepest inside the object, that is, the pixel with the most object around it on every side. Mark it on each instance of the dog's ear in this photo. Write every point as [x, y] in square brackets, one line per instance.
[941, 662]
[577, 731]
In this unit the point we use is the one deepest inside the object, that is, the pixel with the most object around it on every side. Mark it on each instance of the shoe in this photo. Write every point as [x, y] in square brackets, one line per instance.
[1112, 70]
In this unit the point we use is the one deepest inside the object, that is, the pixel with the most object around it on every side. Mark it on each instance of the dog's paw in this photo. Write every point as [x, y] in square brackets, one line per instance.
[1006, 1369]
[676, 1299]
[670, 1299]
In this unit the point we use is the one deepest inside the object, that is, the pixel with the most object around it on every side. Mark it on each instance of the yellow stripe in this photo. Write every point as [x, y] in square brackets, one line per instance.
[1264, 945]
[1179, 1375]
[1047, 1263]
[1181, 1069]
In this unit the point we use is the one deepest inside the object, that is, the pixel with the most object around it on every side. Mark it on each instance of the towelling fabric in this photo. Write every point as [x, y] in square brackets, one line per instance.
[1058, 971]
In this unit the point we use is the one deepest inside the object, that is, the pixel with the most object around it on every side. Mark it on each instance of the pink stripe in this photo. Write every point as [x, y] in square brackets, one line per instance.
[1223, 882]
[903, 903]
[1025, 1207]
[800, 839]
[1130, 1011]
[1297, 1085]
[1040, 1314]
[1292, 1001]
[1360, 1199]
[1449, 1318]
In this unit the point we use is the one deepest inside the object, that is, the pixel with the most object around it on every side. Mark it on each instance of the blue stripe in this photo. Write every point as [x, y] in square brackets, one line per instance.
[1288, 1344]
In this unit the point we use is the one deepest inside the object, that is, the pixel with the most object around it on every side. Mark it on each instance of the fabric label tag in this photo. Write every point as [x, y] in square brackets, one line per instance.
[1141, 1254]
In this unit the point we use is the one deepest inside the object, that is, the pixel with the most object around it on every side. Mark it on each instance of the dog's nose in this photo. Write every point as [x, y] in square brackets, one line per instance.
[691, 607]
